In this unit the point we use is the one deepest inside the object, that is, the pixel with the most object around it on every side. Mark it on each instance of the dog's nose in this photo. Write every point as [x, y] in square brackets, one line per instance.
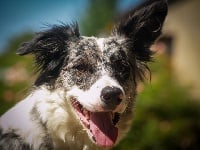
[111, 96]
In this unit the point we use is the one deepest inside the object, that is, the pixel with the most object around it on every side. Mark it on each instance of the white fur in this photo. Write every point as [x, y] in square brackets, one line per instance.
[90, 99]
[100, 42]
[64, 128]
[18, 119]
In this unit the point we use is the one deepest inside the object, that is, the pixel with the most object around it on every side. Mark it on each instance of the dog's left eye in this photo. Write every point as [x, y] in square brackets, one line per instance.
[83, 68]
[80, 67]
[122, 70]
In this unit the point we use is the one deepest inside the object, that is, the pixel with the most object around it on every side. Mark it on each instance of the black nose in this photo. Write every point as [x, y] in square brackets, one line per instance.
[111, 95]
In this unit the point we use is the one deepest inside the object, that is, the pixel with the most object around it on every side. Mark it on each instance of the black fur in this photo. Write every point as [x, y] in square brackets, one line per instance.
[142, 26]
[12, 141]
[50, 50]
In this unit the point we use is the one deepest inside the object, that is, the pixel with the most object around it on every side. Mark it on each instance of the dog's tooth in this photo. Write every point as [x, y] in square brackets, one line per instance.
[84, 111]
[93, 138]
[87, 125]
[86, 114]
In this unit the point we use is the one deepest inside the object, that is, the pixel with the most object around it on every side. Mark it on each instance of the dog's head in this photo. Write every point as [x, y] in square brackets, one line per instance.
[99, 74]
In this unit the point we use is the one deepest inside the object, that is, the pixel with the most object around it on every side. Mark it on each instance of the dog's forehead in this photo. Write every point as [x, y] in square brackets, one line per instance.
[111, 44]
[90, 45]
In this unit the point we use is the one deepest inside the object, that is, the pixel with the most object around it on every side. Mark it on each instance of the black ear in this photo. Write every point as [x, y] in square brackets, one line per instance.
[50, 50]
[142, 26]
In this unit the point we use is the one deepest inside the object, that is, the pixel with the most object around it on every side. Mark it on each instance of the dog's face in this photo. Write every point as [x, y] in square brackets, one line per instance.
[99, 75]
[101, 66]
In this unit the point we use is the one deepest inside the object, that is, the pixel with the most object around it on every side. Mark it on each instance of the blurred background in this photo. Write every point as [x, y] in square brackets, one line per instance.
[167, 110]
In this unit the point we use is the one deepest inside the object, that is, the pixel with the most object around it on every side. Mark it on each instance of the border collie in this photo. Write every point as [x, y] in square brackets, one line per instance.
[86, 86]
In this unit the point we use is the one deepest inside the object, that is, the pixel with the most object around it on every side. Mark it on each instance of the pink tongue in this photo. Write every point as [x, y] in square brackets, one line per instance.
[104, 132]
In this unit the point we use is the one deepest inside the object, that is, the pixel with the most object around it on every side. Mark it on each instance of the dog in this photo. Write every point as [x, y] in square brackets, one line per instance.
[84, 94]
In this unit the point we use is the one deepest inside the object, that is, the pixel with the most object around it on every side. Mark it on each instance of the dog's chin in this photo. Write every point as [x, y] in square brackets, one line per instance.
[100, 126]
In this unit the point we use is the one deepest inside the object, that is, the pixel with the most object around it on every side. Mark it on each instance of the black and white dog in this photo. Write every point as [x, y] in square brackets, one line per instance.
[85, 91]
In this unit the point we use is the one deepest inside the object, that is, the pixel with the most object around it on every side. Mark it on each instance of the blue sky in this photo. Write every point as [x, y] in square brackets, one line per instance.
[17, 16]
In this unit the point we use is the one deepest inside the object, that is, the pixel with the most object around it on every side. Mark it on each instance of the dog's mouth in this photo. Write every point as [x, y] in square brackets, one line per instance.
[99, 125]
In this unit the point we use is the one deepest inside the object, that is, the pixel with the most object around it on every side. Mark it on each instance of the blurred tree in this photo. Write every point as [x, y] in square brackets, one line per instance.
[98, 18]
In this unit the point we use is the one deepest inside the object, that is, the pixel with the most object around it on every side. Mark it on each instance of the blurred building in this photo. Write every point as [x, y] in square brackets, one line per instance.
[182, 35]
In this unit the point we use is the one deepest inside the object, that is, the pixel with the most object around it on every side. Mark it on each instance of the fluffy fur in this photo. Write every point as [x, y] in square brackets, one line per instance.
[85, 91]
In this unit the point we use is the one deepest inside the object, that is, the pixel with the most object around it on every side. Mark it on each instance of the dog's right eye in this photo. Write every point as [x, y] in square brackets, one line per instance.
[80, 67]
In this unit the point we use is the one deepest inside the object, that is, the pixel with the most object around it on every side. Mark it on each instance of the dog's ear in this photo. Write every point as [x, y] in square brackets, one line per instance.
[142, 26]
[50, 50]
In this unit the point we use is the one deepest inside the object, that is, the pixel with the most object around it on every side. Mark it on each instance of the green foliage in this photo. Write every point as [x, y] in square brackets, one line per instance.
[15, 73]
[9, 56]
[98, 17]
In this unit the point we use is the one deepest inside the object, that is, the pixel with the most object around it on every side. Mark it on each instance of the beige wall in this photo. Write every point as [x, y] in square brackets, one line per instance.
[183, 23]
